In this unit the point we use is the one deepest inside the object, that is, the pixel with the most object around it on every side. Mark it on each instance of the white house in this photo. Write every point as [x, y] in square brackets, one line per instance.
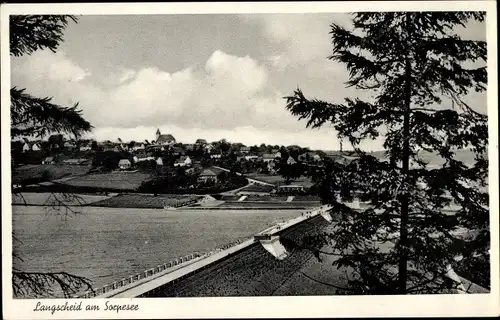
[268, 157]
[124, 164]
[35, 147]
[207, 175]
[48, 160]
[314, 156]
[85, 147]
[138, 146]
[159, 161]
[245, 150]
[26, 147]
[137, 159]
[251, 157]
[183, 161]
[290, 161]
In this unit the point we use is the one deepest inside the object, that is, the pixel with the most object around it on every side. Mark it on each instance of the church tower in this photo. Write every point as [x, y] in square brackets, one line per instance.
[158, 134]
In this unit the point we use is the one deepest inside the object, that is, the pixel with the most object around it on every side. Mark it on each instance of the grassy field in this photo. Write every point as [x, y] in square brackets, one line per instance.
[279, 180]
[144, 201]
[114, 180]
[55, 171]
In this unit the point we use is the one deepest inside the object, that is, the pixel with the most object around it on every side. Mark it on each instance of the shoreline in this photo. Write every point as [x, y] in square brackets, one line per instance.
[179, 209]
[167, 202]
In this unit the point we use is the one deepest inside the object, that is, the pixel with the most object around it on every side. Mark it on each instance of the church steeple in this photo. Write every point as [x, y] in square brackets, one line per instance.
[158, 134]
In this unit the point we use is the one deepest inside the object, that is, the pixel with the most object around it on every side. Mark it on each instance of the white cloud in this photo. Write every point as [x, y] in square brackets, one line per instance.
[126, 74]
[303, 37]
[229, 97]
[45, 65]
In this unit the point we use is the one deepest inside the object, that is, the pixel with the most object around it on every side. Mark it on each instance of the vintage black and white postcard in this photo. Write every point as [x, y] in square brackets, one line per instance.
[197, 160]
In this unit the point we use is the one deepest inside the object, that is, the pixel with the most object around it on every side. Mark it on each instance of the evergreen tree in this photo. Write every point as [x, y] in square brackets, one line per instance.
[411, 61]
[32, 116]
[37, 117]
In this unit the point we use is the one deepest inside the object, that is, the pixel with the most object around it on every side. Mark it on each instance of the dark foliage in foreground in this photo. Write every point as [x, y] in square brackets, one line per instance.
[37, 117]
[410, 62]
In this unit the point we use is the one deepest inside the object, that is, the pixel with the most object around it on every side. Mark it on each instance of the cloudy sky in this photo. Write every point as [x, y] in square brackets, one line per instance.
[196, 76]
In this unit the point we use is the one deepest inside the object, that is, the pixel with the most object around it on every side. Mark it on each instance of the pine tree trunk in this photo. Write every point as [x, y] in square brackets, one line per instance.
[403, 259]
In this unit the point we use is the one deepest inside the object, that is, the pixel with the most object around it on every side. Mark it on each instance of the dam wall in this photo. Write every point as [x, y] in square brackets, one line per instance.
[252, 271]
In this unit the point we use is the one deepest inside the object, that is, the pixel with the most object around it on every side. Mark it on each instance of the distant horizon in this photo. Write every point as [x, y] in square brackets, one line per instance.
[246, 145]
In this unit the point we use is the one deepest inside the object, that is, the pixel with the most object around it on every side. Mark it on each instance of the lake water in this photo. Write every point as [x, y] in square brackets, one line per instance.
[108, 244]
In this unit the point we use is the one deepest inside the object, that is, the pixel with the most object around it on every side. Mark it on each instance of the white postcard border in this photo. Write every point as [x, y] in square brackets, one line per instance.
[271, 307]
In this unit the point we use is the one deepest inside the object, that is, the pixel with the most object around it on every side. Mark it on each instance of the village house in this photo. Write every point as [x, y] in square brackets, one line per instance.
[183, 161]
[268, 157]
[124, 164]
[207, 175]
[160, 161]
[164, 139]
[309, 157]
[290, 161]
[314, 157]
[189, 147]
[143, 156]
[85, 146]
[138, 146]
[48, 160]
[245, 150]
[31, 146]
[251, 157]
[216, 156]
